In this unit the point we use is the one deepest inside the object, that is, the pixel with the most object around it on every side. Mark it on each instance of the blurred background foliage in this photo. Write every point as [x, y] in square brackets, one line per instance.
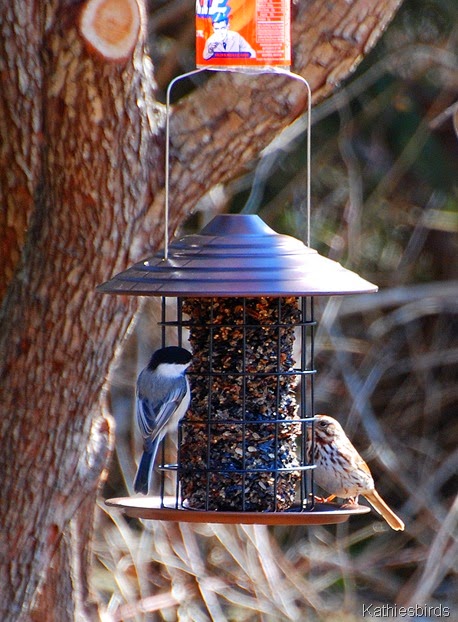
[385, 204]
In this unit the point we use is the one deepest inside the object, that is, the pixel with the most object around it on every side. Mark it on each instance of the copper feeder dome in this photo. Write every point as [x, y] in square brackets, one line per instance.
[237, 255]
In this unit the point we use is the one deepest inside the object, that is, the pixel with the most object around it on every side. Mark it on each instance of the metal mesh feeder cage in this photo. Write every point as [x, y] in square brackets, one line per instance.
[245, 305]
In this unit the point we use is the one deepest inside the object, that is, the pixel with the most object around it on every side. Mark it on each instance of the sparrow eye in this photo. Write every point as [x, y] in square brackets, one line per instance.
[323, 424]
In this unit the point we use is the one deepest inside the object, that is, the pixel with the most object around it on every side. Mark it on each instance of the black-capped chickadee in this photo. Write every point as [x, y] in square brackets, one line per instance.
[163, 397]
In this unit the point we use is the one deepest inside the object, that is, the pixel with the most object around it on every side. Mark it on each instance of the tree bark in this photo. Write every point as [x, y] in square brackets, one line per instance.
[81, 192]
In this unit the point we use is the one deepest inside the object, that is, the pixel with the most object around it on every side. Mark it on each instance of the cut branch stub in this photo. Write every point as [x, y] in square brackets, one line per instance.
[111, 27]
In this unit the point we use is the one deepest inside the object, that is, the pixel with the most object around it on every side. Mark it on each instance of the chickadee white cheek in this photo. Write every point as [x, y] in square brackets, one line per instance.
[171, 370]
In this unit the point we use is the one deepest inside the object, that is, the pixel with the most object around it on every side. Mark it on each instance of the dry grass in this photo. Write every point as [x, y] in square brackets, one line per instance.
[386, 364]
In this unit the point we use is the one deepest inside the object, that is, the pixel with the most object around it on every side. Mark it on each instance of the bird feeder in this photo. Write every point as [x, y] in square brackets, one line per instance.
[245, 305]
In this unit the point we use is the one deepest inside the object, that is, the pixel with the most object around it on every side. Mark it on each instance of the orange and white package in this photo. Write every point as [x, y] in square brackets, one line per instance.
[243, 33]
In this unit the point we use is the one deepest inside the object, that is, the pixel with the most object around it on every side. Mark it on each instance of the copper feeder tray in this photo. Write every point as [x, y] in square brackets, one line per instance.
[153, 508]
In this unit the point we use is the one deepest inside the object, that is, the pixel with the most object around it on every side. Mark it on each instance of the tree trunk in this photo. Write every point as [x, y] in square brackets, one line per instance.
[81, 193]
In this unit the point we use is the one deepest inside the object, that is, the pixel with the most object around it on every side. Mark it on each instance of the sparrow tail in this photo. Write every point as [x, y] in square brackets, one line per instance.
[382, 508]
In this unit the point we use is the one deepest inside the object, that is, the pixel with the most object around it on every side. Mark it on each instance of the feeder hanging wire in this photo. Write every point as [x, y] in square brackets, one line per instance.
[278, 71]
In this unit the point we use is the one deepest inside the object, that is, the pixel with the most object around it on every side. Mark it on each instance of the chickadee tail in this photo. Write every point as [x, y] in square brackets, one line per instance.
[382, 508]
[143, 478]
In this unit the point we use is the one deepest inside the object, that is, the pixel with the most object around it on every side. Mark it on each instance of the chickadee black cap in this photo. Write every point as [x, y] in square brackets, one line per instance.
[171, 355]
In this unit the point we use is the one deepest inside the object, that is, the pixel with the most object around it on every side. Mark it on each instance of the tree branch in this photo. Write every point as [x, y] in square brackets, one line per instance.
[220, 128]
[111, 27]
